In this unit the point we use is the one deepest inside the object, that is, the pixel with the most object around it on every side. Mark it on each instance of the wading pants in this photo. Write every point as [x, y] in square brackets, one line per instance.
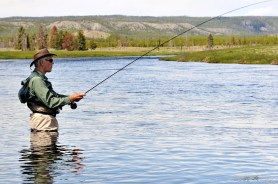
[43, 122]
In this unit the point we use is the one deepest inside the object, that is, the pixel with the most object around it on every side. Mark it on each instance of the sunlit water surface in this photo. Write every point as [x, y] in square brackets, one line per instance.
[154, 122]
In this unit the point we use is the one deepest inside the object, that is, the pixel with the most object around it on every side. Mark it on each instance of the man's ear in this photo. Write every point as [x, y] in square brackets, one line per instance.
[41, 63]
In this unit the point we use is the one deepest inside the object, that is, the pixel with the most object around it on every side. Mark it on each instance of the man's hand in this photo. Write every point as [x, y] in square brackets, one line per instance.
[76, 97]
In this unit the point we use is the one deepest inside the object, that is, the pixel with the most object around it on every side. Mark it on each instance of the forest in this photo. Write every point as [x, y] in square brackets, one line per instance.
[67, 40]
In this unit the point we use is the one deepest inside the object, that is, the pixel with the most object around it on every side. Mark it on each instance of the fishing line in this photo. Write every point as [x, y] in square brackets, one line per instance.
[172, 39]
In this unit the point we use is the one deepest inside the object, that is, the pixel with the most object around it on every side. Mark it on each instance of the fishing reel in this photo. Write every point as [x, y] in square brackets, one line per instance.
[73, 105]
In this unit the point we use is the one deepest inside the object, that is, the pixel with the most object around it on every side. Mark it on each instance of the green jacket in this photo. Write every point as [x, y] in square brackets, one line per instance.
[41, 92]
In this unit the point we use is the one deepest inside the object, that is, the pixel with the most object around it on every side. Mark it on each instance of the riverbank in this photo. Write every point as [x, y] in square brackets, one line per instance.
[239, 55]
[99, 52]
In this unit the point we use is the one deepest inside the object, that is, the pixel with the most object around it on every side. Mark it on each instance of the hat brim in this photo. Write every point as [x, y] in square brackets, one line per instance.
[33, 62]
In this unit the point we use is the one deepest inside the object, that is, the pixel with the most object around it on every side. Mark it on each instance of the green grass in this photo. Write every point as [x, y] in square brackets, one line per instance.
[240, 55]
[104, 52]
[64, 54]
[16, 54]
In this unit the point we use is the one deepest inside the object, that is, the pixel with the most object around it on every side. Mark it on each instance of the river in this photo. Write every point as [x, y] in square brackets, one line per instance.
[154, 122]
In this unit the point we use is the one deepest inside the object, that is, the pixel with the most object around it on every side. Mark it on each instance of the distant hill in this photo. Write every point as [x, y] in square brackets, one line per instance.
[145, 27]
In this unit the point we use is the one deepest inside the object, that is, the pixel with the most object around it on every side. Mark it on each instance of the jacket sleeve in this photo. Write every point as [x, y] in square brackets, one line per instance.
[49, 98]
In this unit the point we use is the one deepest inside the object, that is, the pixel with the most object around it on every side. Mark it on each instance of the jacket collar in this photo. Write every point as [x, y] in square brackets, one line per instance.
[38, 73]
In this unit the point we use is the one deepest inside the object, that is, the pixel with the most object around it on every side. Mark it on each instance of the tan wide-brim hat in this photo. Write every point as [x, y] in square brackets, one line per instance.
[40, 54]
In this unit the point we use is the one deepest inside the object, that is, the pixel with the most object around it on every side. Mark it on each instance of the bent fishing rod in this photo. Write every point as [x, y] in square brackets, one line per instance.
[74, 106]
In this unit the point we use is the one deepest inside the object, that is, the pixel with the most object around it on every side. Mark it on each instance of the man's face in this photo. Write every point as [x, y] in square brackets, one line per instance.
[48, 63]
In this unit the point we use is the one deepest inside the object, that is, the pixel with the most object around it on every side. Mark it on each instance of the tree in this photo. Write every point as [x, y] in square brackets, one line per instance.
[233, 41]
[28, 43]
[210, 41]
[41, 39]
[21, 39]
[92, 45]
[53, 36]
[81, 41]
[60, 40]
[68, 43]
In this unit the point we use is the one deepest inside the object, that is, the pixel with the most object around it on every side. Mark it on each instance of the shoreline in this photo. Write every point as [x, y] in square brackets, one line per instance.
[103, 52]
[99, 52]
[238, 55]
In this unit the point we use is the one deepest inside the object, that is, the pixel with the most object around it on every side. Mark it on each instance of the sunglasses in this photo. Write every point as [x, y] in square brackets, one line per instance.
[49, 60]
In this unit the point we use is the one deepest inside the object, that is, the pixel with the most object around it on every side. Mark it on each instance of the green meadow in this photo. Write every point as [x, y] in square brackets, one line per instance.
[100, 52]
[240, 55]
[65, 54]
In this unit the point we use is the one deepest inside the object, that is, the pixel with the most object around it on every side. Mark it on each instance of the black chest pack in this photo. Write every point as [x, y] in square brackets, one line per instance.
[23, 93]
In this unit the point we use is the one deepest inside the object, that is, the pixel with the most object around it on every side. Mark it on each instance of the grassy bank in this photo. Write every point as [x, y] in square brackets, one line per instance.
[240, 55]
[100, 52]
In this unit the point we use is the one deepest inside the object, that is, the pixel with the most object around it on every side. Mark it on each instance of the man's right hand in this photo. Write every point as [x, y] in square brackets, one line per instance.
[76, 97]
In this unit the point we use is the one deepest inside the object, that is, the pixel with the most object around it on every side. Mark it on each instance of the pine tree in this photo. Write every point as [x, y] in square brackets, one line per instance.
[92, 45]
[210, 41]
[60, 40]
[53, 36]
[81, 41]
[28, 43]
[33, 42]
[21, 39]
[68, 43]
[41, 39]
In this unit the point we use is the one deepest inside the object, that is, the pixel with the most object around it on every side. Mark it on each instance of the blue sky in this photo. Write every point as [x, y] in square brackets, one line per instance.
[198, 8]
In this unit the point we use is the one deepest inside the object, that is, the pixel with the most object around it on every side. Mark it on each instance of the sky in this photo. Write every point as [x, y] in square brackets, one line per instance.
[193, 8]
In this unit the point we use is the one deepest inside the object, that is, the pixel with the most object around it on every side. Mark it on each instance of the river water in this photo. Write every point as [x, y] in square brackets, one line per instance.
[154, 122]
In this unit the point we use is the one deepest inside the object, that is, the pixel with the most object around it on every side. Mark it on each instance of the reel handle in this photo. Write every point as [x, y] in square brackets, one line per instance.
[73, 105]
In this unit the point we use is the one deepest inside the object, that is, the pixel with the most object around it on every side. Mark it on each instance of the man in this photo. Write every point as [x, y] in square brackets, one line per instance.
[44, 102]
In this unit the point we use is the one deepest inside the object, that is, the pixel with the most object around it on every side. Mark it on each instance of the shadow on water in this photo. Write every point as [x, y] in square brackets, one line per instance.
[45, 160]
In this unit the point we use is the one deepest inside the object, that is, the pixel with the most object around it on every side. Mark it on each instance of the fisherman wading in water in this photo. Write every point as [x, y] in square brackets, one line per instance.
[43, 101]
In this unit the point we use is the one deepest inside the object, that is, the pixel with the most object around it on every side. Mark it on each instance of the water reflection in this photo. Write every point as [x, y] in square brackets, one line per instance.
[45, 160]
